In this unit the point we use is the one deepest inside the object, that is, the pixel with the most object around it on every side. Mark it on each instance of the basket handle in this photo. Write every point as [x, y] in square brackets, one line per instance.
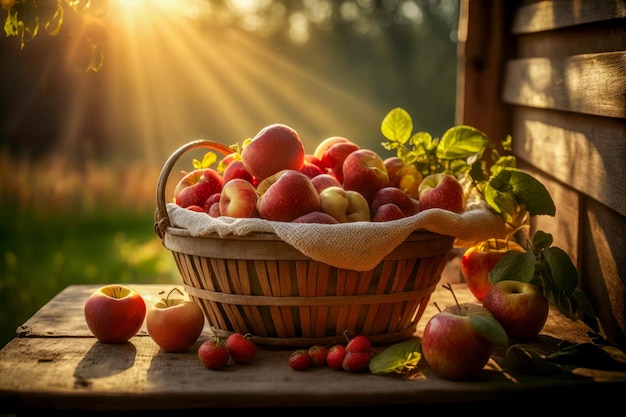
[161, 220]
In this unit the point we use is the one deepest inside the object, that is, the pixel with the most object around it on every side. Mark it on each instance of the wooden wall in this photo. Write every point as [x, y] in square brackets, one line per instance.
[552, 74]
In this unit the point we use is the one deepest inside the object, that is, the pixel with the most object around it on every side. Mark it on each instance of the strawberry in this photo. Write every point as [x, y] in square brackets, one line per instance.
[359, 343]
[299, 360]
[335, 356]
[242, 349]
[356, 361]
[318, 355]
[214, 354]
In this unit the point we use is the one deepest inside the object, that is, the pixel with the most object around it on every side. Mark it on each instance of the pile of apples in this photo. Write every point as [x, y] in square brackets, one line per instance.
[274, 178]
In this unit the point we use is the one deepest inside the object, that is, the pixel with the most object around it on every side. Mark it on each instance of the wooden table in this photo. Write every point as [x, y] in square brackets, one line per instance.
[55, 363]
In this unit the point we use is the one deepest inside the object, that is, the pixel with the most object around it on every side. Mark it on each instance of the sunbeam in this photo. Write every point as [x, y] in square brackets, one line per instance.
[171, 80]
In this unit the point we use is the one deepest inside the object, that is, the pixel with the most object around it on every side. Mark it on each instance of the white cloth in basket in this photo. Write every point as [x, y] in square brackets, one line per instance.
[358, 246]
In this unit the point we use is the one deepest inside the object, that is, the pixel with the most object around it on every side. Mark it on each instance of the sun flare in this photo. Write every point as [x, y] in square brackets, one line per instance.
[172, 79]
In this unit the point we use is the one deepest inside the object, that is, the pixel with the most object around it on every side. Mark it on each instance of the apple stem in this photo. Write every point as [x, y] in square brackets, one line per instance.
[437, 305]
[345, 334]
[166, 300]
[448, 287]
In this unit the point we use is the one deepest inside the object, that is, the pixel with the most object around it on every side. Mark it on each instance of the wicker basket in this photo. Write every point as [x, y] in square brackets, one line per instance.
[261, 285]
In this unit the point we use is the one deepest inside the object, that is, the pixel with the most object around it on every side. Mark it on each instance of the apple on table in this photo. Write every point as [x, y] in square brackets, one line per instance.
[478, 260]
[458, 341]
[114, 313]
[174, 324]
[520, 307]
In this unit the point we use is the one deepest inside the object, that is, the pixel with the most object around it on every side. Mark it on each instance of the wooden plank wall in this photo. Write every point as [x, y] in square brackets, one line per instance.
[553, 75]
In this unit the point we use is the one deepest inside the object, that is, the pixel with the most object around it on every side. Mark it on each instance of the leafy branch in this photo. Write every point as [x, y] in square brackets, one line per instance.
[472, 157]
[26, 18]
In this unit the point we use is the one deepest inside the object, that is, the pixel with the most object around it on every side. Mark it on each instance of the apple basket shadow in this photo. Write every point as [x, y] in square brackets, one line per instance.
[260, 284]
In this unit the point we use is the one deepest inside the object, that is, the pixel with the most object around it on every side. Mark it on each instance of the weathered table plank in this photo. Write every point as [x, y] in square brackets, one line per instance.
[58, 364]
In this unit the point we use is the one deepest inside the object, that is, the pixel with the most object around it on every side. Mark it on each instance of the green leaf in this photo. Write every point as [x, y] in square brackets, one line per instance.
[477, 171]
[525, 190]
[501, 163]
[507, 143]
[208, 159]
[563, 271]
[514, 266]
[542, 240]
[503, 203]
[398, 358]
[423, 141]
[397, 125]
[461, 142]
[489, 328]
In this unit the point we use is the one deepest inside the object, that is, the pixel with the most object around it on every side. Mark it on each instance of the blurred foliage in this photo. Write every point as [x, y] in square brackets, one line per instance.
[44, 253]
[61, 226]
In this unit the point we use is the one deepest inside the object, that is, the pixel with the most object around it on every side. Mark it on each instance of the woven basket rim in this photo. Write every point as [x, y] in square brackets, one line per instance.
[417, 235]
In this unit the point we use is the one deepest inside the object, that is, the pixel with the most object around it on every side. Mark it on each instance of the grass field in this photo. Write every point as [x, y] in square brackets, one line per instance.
[69, 226]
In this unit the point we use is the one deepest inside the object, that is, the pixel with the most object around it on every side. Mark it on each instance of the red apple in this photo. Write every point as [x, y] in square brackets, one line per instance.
[323, 181]
[441, 191]
[276, 147]
[312, 159]
[416, 204]
[114, 313]
[316, 217]
[286, 195]
[458, 341]
[212, 205]
[388, 212]
[393, 195]
[311, 170]
[196, 186]
[195, 208]
[335, 156]
[238, 199]
[403, 176]
[345, 206]
[479, 260]
[323, 146]
[520, 307]
[235, 169]
[174, 323]
[364, 171]
[312, 166]
[394, 166]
